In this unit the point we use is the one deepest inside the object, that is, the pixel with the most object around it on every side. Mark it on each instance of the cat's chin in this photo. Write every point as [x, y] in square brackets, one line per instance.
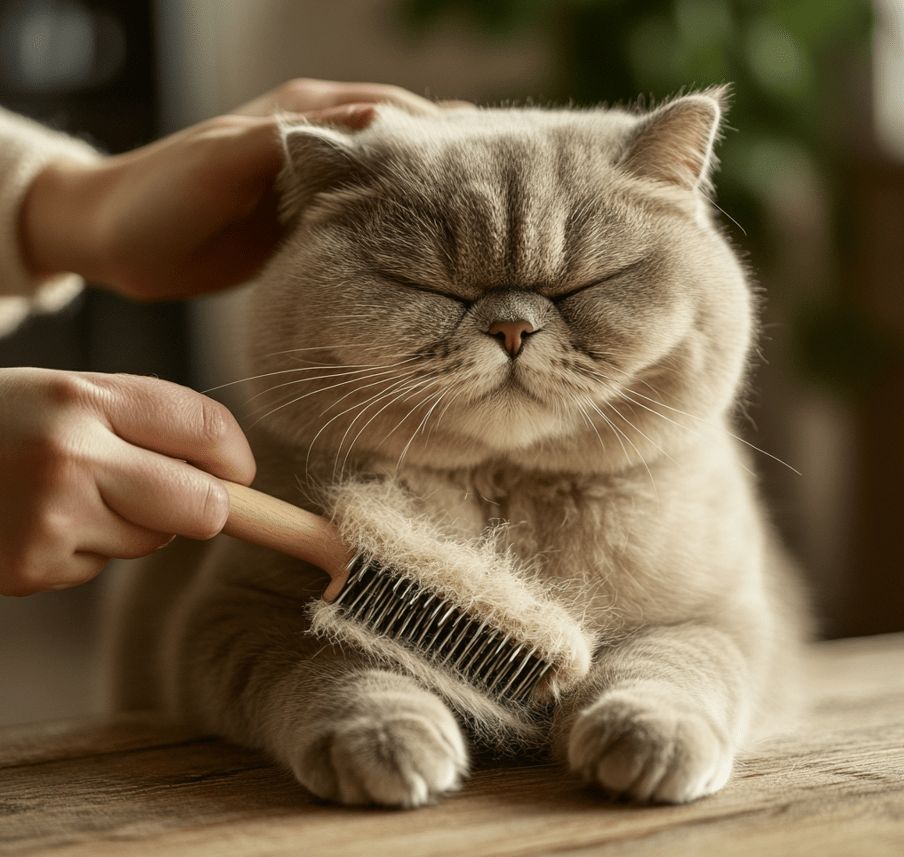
[502, 424]
[474, 437]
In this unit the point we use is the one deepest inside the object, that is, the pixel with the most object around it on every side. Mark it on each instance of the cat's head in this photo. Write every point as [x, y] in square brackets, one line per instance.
[502, 283]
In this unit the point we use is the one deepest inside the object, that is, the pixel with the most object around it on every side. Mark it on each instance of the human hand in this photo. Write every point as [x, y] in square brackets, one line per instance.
[192, 213]
[99, 466]
[329, 102]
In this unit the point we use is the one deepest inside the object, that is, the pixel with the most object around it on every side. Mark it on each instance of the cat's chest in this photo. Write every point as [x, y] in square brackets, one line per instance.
[566, 525]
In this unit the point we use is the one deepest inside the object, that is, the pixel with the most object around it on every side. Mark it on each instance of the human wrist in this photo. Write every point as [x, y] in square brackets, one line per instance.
[57, 231]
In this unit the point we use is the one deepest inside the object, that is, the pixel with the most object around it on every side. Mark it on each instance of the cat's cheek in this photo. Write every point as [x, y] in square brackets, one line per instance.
[633, 745]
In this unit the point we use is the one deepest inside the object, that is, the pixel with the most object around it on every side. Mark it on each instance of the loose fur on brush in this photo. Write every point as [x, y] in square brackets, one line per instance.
[381, 520]
[502, 348]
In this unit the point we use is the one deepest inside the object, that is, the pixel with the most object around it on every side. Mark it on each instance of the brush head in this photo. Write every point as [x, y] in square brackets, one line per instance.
[497, 662]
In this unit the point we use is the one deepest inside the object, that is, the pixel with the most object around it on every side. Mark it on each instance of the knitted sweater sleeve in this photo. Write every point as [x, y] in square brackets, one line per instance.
[25, 149]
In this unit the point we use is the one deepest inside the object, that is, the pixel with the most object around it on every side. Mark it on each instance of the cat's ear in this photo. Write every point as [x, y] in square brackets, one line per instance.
[317, 159]
[675, 143]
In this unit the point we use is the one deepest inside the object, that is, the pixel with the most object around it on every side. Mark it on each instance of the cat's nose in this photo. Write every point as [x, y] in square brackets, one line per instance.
[510, 334]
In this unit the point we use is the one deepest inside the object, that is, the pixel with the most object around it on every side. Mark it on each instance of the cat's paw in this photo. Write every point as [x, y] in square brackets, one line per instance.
[637, 745]
[396, 749]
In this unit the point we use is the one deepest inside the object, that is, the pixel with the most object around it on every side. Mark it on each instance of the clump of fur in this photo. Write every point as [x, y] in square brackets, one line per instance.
[473, 575]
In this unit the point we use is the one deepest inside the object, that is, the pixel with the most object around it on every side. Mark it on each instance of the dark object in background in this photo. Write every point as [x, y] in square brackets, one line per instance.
[87, 67]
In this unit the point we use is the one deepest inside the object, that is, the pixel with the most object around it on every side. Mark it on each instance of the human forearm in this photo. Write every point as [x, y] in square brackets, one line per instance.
[189, 214]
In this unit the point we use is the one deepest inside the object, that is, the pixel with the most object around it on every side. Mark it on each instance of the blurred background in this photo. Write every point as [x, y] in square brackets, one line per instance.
[811, 186]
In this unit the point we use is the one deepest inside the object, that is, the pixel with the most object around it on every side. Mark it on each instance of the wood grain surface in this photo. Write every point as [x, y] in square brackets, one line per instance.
[135, 786]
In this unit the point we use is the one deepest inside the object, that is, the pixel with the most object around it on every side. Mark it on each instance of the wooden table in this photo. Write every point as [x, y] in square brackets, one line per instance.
[133, 786]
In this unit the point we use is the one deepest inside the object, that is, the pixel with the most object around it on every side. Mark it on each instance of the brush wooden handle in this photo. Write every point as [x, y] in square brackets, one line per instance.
[263, 520]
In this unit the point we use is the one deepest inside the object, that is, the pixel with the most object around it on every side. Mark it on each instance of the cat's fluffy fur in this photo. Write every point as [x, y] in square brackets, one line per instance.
[597, 462]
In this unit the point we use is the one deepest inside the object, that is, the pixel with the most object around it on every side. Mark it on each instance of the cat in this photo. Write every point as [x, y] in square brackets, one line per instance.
[523, 329]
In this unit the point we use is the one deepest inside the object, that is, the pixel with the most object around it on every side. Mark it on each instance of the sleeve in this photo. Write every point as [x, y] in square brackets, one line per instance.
[25, 149]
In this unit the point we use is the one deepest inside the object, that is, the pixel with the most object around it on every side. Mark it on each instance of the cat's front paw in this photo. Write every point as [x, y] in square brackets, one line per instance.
[637, 745]
[394, 748]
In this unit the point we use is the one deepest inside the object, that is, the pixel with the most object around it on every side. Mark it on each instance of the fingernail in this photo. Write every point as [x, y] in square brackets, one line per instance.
[167, 544]
[360, 116]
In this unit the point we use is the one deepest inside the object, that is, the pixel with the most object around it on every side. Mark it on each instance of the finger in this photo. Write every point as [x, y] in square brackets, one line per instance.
[160, 495]
[176, 422]
[80, 568]
[119, 539]
[249, 145]
[79, 552]
[378, 93]
[454, 104]
[353, 116]
[56, 573]
[303, 95]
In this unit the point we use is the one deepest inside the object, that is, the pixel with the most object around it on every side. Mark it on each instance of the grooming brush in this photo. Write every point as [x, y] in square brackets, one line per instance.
[495, 654]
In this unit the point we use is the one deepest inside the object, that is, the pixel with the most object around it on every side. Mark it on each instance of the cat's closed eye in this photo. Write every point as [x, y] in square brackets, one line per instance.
[425, 288]
[559, 297]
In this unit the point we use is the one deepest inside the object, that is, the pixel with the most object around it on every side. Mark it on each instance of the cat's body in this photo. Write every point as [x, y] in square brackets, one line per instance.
[522, 322]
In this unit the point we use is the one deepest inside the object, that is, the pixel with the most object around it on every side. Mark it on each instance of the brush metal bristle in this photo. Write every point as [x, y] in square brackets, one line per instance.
[401, 608]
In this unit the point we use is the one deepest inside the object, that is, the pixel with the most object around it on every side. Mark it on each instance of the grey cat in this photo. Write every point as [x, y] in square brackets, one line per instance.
[521, 331]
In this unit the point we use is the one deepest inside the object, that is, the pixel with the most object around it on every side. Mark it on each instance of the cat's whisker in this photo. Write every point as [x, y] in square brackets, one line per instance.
[646, 437]
[604, 354]
[359, 373]
[401, 397]
[359, 347]
[455, 394]
[357, 366]
[624, 390]
[371, 364]
[420, 426]
[710, 424]
[596, 431]
[289, 351]
[620, 433]
[449, 405]
[312, 368]
[713, 203]
[329, 422]
[627, 398]
[346, 383]
[351, 315]
[435, 395]
[250, 378]
[271, 391]
[392, 392]
[386, 391]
